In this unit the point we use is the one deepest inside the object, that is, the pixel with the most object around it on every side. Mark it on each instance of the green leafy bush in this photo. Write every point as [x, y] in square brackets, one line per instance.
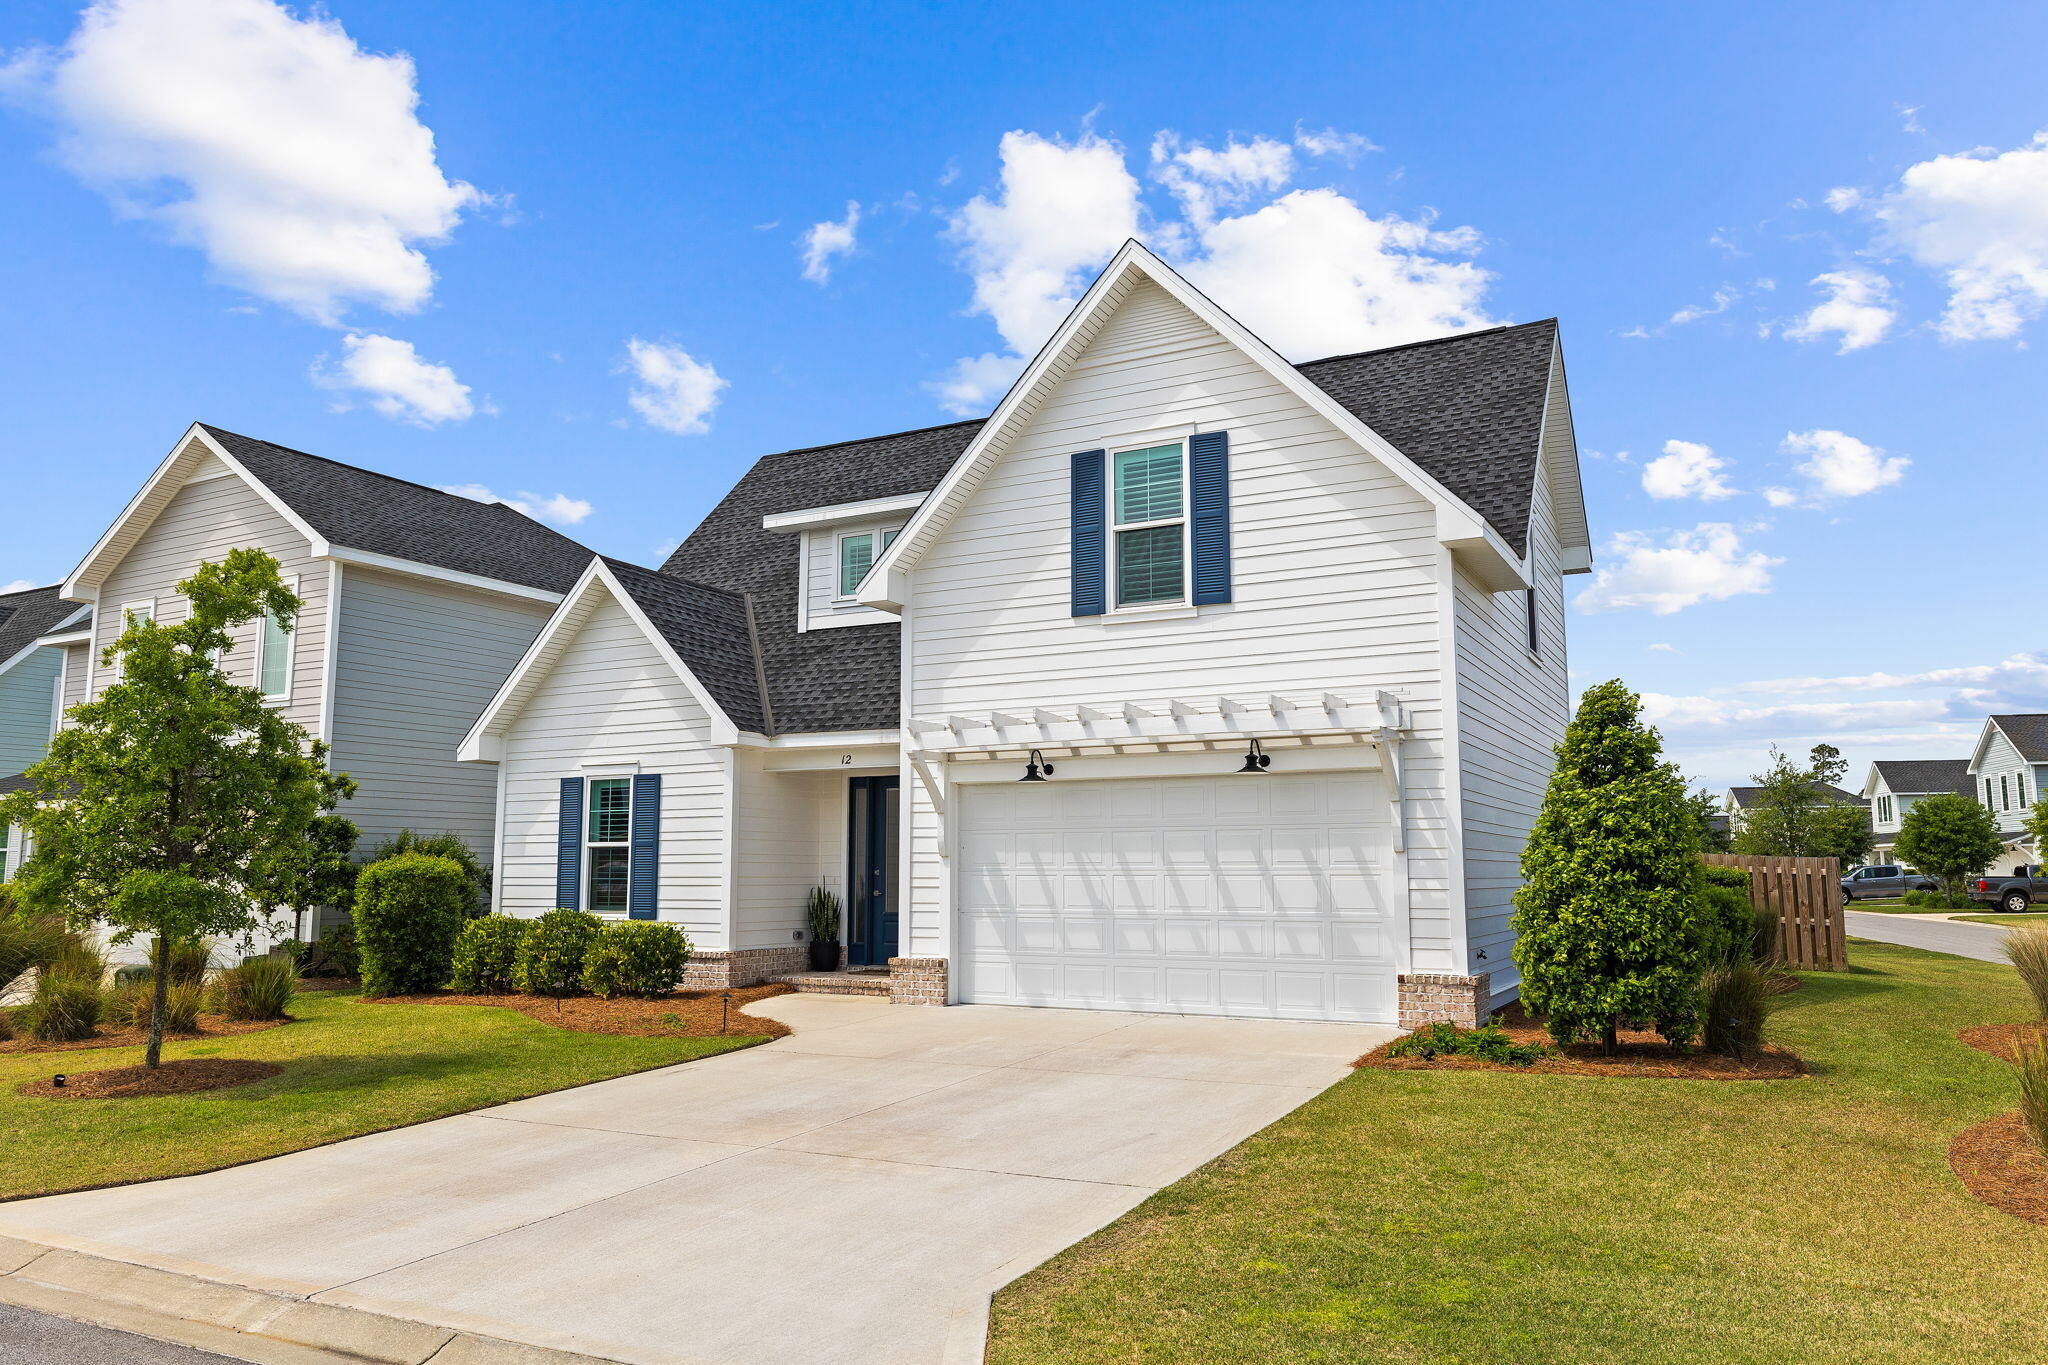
[408, 909]
[1488, 1042]
[1735, 998]
[487, 954]
[1605, 921]
[1734, 878]
[128, 1005]
[1941, 900]
[638, 957]
[1727, 924]
[476, 877]
[261, 988]
[335, 952]
[550, 958]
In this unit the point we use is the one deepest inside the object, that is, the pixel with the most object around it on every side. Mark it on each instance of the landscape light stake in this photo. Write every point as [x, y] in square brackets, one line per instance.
[724, 1010]
[58, 1081]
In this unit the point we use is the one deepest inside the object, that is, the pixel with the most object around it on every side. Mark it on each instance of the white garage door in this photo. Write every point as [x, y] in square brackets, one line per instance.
[1269, 896]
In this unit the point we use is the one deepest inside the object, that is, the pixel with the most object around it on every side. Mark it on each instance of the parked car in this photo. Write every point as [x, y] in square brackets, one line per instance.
[2011, 893]
[1883, 881]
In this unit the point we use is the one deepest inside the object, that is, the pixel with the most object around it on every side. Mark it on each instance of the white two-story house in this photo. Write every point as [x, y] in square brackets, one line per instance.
[2007, 769]
[415, 603]
[1895, 785]
[1190, 680]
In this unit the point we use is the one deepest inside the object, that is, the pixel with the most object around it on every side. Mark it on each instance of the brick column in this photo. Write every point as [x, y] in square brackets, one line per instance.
[917, 981]
[1430, 997]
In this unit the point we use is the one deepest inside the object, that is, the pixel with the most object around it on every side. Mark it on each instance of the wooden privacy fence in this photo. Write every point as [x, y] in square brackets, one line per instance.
[1806, 896]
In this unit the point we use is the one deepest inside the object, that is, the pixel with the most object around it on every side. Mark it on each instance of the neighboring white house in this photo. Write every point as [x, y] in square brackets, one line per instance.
[416, 603]
[1285, 645]
[1737, 803]
[1896, 785]
[2007, 769]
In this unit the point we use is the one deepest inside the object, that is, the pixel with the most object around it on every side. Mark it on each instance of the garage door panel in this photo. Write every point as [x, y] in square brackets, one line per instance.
[1268, 896]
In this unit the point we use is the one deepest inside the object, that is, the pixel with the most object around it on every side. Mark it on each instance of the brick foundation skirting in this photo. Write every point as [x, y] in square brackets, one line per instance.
[717, 970]
[917, 981]
[1432, 997]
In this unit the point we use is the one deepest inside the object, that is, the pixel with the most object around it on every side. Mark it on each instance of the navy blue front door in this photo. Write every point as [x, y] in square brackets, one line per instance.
[871, 876]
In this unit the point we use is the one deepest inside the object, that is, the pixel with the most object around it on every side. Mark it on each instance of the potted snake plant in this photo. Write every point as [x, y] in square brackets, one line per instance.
[822, 909]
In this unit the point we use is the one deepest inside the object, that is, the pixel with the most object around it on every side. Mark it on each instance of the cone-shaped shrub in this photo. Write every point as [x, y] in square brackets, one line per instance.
[1604, 921]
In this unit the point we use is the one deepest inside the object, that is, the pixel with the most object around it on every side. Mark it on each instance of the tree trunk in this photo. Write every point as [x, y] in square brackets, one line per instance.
[1610, 1042]
[159, 992]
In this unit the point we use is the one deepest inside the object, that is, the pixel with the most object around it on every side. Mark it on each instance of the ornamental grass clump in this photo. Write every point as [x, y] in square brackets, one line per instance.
[550, 957]
[68, 1003]
[1606, 920]
[638, 958]
[2031, 1057]
[28, 942]
[1735, 998]
[260, 988]
[487, 954]
[128, 1005]
[2027, 949]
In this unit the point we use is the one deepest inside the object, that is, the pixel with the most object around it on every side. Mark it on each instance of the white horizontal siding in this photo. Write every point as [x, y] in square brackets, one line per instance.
[784, 847]
[77, 665]
[612, 699]
[819, 546]
[1336, 579]
[415, 663]
[200, 524]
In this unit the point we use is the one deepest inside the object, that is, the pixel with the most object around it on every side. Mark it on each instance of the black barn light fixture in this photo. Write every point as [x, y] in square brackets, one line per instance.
[1036, 769]
[1256, 759]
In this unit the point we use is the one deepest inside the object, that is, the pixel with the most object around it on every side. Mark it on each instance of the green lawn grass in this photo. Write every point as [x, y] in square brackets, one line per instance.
[350, 1067]
[1897, 907]
[2028, 917]
[1495, 1219]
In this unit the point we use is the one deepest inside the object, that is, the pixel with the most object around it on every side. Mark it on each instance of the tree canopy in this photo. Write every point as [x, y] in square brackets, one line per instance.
[1796, 812]
[1949, 837]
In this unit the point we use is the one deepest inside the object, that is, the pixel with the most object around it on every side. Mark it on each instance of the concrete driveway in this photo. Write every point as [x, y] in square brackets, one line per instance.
[851, 1193]
[1938, 933]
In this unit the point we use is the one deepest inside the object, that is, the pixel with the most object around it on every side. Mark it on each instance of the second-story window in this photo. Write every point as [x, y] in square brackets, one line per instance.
[857, 552]
[1148, 525]
[273, 657]
[608, 845]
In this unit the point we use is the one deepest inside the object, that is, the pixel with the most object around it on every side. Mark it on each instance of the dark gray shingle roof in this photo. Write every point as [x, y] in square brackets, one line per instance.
[1467, 408]
[2029, 734]
[27, 614]
[707, 628]
[1746, 796]
[1910, 775]
[364, 510]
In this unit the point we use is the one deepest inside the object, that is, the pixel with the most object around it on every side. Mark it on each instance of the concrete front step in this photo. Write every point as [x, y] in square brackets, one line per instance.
[837, 983]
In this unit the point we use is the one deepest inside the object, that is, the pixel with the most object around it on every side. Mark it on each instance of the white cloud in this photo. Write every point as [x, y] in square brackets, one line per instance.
[1980, 218]
[1705, 564]
[294, 159]
[672, 390]
[2024, 676]
[825, 240]
[1837, 465]
[558, 510]
[1693, 312]
[1780, 497]
[1330, 142]
[1310, 271]
[399, 384]
[18, 585]
[1909, 118]
[1661, 648]
[1858, 308]
[1687, 469]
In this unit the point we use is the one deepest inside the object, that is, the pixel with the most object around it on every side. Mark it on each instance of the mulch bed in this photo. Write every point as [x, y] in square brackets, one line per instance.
[1642, 1055]
[210, 1026]
[1998, 1039]
[1998, 1162]
[183, 1077]
[688, 1014]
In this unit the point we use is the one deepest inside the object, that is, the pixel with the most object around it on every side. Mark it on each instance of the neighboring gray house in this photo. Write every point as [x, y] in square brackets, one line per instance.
[2007, 770]
[31, 679]
[1285, 643]
[416, 603]
[1896, 785]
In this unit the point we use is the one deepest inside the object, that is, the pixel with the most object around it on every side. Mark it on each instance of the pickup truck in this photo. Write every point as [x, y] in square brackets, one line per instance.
[2012, 892]
[1882, 882]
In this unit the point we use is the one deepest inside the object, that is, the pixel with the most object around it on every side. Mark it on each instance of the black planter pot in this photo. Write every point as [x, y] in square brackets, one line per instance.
[824, 956]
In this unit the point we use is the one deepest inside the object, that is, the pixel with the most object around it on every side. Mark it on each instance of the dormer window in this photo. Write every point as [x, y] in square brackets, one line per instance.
[1148, 524]
[857, 553]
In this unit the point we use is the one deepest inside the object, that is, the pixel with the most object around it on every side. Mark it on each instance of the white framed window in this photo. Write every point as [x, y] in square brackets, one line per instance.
[608, 845]
[6, 853]
[1148, 525]
[274, 654]
[855, 553]
[145, 610]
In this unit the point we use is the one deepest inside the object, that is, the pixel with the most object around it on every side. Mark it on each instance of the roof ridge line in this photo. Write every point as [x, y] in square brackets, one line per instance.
[882, 436]
[1427, 341]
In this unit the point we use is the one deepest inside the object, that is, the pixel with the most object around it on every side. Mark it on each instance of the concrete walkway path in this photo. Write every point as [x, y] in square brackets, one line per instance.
[852, 1193]
[1938, 933]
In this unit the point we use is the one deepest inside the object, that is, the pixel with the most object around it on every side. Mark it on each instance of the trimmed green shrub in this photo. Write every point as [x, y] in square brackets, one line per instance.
[550, 957]
[447, 845]
[638, 957]
[1735, 997]
[408, 909]
[1941, 900]
[128, 1005]
[2027, 950]
[1488, 1042]
[487, 954]
[66, 1007]
[1735, 878]
[1605, 919]
[261, 988]
[1727, 924]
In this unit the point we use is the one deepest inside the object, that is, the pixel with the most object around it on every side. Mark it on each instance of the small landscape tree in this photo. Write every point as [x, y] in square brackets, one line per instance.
[1713, 825]
[1948, 837]
[1795, 812]
[1611, 879]
[2036, 825]
[165, 806]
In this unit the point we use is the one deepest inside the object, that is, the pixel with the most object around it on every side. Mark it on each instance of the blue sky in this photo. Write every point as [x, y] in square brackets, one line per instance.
[1808, 244]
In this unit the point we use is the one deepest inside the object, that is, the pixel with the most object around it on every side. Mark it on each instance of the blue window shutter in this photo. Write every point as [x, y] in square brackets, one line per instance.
[569, 847]
[644, 868]
[1088, 505]
[1209, 504]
